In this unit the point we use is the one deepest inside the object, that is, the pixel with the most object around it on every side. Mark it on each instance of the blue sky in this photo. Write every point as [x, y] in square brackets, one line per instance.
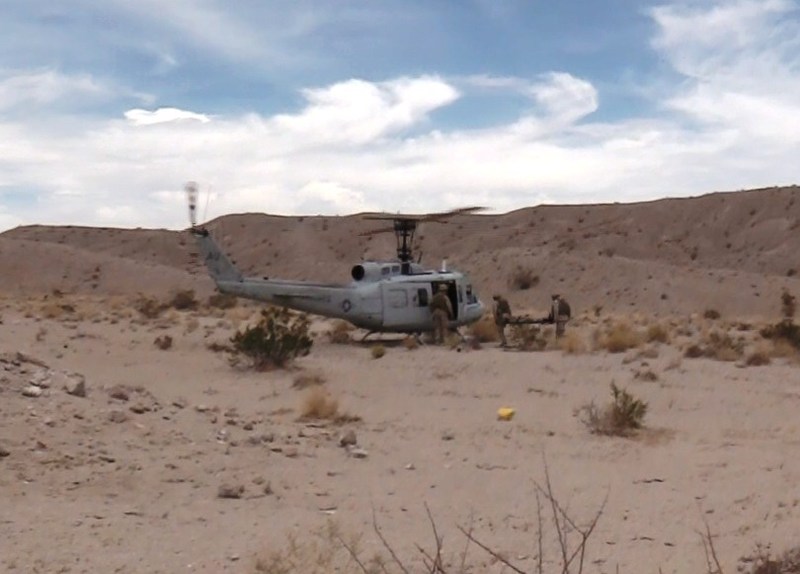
[300, 107]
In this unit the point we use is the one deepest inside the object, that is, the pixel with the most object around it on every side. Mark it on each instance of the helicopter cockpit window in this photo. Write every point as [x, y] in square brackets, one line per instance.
[398, 298]
[471, 298]
[395, 269]
[422, 295]
[386, 270]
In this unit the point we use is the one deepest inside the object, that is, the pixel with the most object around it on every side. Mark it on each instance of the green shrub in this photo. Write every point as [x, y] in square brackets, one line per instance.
[378, 351]
[184, 300]
[279, 337]
[619, 418]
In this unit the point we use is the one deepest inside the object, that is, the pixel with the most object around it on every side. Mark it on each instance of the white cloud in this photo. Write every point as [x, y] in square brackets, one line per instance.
[46, 87]
[139, 117]
[730, 120]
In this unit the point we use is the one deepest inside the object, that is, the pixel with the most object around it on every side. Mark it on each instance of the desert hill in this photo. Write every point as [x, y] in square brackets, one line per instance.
[733, 251]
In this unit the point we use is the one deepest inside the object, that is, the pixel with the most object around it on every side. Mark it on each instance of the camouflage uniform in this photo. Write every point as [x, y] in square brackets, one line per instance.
[559, 314]
[502, 313]
[442, 311]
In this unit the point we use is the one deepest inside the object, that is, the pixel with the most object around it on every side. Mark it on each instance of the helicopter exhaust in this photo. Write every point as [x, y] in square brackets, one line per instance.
[444, 266]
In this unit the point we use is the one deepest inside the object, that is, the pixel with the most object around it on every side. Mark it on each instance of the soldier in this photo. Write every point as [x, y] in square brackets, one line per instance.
[559, 314]
[502, 313]
[442, 310]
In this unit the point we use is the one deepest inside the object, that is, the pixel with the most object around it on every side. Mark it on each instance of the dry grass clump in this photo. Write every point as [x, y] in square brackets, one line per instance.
[485, 330]
[523, 278]
[222, 301]
[572, 343]
[306, 380]
[762, 562]
[621, 337]
[377, 351]
[149, 307]
[163, 342]
[711, 314]
[529, 337]
[716, 345]
[318, 404]
[184, 300]
[657, 333]
[410, 343]
[340, 333]
[757, 358]
[624, 415]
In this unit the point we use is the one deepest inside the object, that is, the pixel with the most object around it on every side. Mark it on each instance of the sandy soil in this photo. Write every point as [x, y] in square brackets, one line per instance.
[128, 477]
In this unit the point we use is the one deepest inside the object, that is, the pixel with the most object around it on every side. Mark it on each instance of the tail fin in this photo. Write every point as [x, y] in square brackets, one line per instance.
[220, 267]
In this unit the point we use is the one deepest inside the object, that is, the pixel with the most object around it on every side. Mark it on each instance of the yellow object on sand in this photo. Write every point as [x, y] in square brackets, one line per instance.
[505, 413]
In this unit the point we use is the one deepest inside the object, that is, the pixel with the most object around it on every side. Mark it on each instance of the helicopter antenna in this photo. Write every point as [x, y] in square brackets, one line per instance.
[191, 195]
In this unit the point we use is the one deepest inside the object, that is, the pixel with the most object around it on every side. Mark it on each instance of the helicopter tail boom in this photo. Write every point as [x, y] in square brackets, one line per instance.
[219, 265]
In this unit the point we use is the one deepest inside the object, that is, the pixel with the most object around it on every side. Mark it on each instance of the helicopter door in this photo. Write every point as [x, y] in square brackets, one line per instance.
[401, 306]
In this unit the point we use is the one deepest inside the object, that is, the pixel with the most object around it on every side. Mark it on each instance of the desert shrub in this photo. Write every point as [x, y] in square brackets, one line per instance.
[723, 347]
[523, 278]
[377, 351]
[621, 337]
[623, 415]
[318, 404]
[340, 333]
[657, 333]
[149, 307]
[278, 338]
[694, 351]
[184, 300]
[305, 380]
[762, 562]
[572, 343]
[222, 301]
[788, 305]
[484, 330]
[163, 342]
[711, 314]
[410, 343]
[757, 359]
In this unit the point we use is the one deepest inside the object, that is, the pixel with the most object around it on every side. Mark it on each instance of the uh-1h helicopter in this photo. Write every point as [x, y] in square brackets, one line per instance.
[384, 296]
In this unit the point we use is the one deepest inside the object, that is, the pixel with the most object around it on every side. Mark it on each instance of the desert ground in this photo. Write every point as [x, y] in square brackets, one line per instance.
[130, 443]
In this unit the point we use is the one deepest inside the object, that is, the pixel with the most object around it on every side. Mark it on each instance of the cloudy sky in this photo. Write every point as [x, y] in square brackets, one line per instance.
[340, 106]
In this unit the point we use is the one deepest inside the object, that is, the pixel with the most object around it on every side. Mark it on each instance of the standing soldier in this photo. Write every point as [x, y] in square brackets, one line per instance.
[502, 314]
[442, 310]
[559, 314]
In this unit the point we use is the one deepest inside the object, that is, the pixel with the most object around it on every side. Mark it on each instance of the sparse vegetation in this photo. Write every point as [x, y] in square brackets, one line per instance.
[163, 342]
[621, 417]
[485, 331]
[222, 301]
[306, 380]
[621, 337]
[757, 358]
[318, 404]
[529, 337]
[657, 333]
[410, 343]
[711, 314]
[523, 278]
[572, 343]
[149, 307]
[278, 338]
[377, 351]
[184, 300]
[340, 333]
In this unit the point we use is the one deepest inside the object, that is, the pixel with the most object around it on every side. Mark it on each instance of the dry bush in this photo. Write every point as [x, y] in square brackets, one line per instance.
[377, 351]
[485, 330]
[276, 340]
[523, 278]
[192, 325]
[762, 562]
[163, 342]
[222, 301]
[757, 358]
[410, 343]
[305, 380]
[657, 333]
[149, 307]
[711, 314]
[621, 417]
[788, 305]
[318, 404]
[184, 300]
[717, 345]
[340, 333]
[572, 343]
[621, 337]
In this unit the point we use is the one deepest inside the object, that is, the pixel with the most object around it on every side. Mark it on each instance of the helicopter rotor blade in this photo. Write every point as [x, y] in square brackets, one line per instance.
[424, 216]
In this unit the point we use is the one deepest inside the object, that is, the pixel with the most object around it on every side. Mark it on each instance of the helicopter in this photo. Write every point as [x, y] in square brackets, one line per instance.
[383, 296]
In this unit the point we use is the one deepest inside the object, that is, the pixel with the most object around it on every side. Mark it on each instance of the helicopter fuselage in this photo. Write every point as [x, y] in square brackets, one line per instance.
[383, 296]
